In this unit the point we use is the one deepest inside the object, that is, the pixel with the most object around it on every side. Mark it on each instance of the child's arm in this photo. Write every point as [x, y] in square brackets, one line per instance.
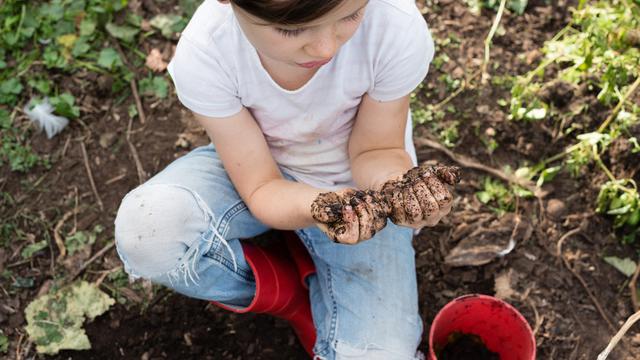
[276, 202]
[379, 160]
[376, 147]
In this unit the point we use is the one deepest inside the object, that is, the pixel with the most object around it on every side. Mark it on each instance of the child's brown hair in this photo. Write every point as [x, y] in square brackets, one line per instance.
[287, 12]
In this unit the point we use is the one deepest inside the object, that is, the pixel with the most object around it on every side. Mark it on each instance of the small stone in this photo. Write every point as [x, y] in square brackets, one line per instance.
[556, 209]
[483, 109]
[107, 139]
[491, 132]
[105, 82]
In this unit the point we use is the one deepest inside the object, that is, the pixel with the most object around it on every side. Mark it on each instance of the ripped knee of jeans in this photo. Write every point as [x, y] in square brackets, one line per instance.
[163, 229]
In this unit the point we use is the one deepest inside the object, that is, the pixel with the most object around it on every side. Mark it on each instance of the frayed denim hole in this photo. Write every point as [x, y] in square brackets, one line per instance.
[187, 268]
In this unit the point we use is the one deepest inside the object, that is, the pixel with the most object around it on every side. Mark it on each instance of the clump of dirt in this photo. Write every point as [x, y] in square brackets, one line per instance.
[463, 346]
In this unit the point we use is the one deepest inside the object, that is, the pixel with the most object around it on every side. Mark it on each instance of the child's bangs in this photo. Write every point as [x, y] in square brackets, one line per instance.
[288, 12]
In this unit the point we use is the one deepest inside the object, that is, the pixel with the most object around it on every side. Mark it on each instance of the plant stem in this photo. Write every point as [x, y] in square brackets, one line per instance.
[489, 40]
[596, 157]
[22, 14]
[602, 127]
[618, 107]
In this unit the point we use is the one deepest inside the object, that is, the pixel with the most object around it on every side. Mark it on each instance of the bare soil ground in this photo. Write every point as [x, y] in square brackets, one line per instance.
[553, 295]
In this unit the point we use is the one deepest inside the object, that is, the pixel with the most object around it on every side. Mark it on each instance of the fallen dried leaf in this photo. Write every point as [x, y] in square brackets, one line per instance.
[155, 61]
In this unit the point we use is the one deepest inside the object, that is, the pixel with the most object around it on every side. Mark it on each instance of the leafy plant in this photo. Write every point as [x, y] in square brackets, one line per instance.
[54, 321]
[517, 6]
[14, 149]
[620, 199]
[498, 197]
[81, 239]
[592, 46]
[156, 86]
[31, 249]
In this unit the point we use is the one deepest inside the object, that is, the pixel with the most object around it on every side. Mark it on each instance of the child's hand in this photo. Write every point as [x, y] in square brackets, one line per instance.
[420, 198]
[350, 216]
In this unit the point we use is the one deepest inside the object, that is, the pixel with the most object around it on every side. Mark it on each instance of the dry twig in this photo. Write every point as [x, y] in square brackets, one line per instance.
[633, 287]
[92, 259]
[539, 319]
[56, 234]
[582, 281]
[136, 96]
[623, 330]
[142, 176]
[563, 238]
[90, 174]
[473, 164]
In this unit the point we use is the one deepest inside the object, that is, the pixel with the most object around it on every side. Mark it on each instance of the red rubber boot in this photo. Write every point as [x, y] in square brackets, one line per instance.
[300, 256]
[279, 291]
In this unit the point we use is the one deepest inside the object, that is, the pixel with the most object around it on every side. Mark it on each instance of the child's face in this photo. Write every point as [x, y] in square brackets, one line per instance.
[307, 46]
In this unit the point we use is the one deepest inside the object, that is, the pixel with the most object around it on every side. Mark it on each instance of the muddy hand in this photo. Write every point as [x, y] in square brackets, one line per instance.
[421, 197]
[350, 216]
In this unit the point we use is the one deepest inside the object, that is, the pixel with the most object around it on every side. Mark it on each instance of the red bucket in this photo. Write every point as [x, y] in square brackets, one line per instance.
[500, 326]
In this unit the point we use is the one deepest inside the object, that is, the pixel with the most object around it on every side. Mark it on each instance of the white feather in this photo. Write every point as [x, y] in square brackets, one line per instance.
[42, 115]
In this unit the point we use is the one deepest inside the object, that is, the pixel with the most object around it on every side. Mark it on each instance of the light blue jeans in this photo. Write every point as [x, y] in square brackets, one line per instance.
[182, 229]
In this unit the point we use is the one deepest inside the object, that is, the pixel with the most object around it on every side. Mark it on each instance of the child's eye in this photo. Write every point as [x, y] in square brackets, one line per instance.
[290, 32]
[295, 32]
[354, 17]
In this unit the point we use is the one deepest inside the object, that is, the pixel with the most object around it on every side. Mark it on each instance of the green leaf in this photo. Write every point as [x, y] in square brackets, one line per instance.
[154, 86]
[64, 105]
[625, 266]
[132, 110]
[42, 85]
[11, 86]
[4, 343]
[122, 32]
[168, 24]
[619, 211]
[518, 6]
[87, 27]
[548, 174]
[81, 239]
[54, 321]
[9, 91]
[521, 192]
[536, 114]
[23, 282]
[484, 197]
[109, 59]
[31, 249]
[81, 47]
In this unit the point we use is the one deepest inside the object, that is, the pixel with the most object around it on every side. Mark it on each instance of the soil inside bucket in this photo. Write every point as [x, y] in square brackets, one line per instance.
[463, 346]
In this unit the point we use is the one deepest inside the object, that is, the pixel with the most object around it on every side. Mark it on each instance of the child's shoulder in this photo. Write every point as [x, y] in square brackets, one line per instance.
[208, 23]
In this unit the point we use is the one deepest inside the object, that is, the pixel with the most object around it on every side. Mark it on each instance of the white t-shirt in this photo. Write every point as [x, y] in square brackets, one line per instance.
[216, 72]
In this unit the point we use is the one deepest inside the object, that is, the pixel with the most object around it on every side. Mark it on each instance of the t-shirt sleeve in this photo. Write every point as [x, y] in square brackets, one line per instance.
[405, 63]
[202, 82]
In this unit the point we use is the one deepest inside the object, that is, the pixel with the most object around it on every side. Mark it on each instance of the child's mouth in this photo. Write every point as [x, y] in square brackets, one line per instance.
[314, 64]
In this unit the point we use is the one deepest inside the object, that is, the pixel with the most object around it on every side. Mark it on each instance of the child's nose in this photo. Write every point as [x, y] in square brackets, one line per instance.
[324, 45]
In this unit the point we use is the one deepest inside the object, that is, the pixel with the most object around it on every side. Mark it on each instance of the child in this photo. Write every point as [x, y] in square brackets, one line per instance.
[305, 102]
